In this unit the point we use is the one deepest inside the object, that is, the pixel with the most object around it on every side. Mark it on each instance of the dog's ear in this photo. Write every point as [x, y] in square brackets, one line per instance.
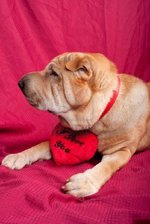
[81, 67]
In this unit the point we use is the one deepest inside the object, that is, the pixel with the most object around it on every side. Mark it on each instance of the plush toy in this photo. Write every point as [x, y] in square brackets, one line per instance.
[70, 147]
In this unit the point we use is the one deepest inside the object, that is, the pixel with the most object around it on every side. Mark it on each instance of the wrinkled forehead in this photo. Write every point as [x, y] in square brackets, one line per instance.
[61, 60]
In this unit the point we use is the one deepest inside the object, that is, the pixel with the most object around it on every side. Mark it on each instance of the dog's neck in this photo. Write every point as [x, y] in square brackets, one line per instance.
[71, 118]
[112, 100]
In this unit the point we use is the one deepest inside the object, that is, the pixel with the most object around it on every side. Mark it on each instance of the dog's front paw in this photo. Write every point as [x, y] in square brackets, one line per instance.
[81, 185]
[15, 161]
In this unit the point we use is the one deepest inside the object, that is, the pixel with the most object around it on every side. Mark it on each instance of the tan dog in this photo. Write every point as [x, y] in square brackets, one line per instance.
[78, 87]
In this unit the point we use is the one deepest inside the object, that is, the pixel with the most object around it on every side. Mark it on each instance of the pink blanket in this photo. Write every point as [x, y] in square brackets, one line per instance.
[31, 33]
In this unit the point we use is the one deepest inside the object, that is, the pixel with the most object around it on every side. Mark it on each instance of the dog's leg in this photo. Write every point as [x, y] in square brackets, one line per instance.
[19, 160]
[89, 182]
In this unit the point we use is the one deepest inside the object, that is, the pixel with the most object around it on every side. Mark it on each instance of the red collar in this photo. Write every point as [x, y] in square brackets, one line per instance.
[112, 99]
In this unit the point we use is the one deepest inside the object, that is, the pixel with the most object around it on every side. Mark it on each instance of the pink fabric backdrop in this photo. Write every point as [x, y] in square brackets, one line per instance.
[31, 33]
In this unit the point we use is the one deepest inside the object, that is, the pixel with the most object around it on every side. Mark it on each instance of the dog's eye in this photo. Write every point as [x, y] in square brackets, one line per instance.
[82, 69]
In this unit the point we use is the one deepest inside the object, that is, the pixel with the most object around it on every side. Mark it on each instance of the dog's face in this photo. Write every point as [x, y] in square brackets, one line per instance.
[68, 83]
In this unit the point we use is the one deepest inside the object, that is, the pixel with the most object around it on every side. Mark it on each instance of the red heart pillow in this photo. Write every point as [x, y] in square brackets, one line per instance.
[71, 147]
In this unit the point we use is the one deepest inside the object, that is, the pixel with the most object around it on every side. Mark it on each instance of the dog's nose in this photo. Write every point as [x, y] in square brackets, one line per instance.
[21, 84]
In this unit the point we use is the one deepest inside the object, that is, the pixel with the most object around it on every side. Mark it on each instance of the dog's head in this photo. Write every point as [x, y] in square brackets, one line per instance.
[67, 85]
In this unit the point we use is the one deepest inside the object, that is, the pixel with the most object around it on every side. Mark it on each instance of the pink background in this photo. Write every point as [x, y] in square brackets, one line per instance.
[32, 32]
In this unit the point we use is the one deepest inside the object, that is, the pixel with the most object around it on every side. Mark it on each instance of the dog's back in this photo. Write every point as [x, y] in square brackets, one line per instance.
[145, 141]
[148, 84]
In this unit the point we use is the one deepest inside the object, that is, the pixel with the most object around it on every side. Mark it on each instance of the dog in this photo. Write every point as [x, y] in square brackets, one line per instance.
[86, 92]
